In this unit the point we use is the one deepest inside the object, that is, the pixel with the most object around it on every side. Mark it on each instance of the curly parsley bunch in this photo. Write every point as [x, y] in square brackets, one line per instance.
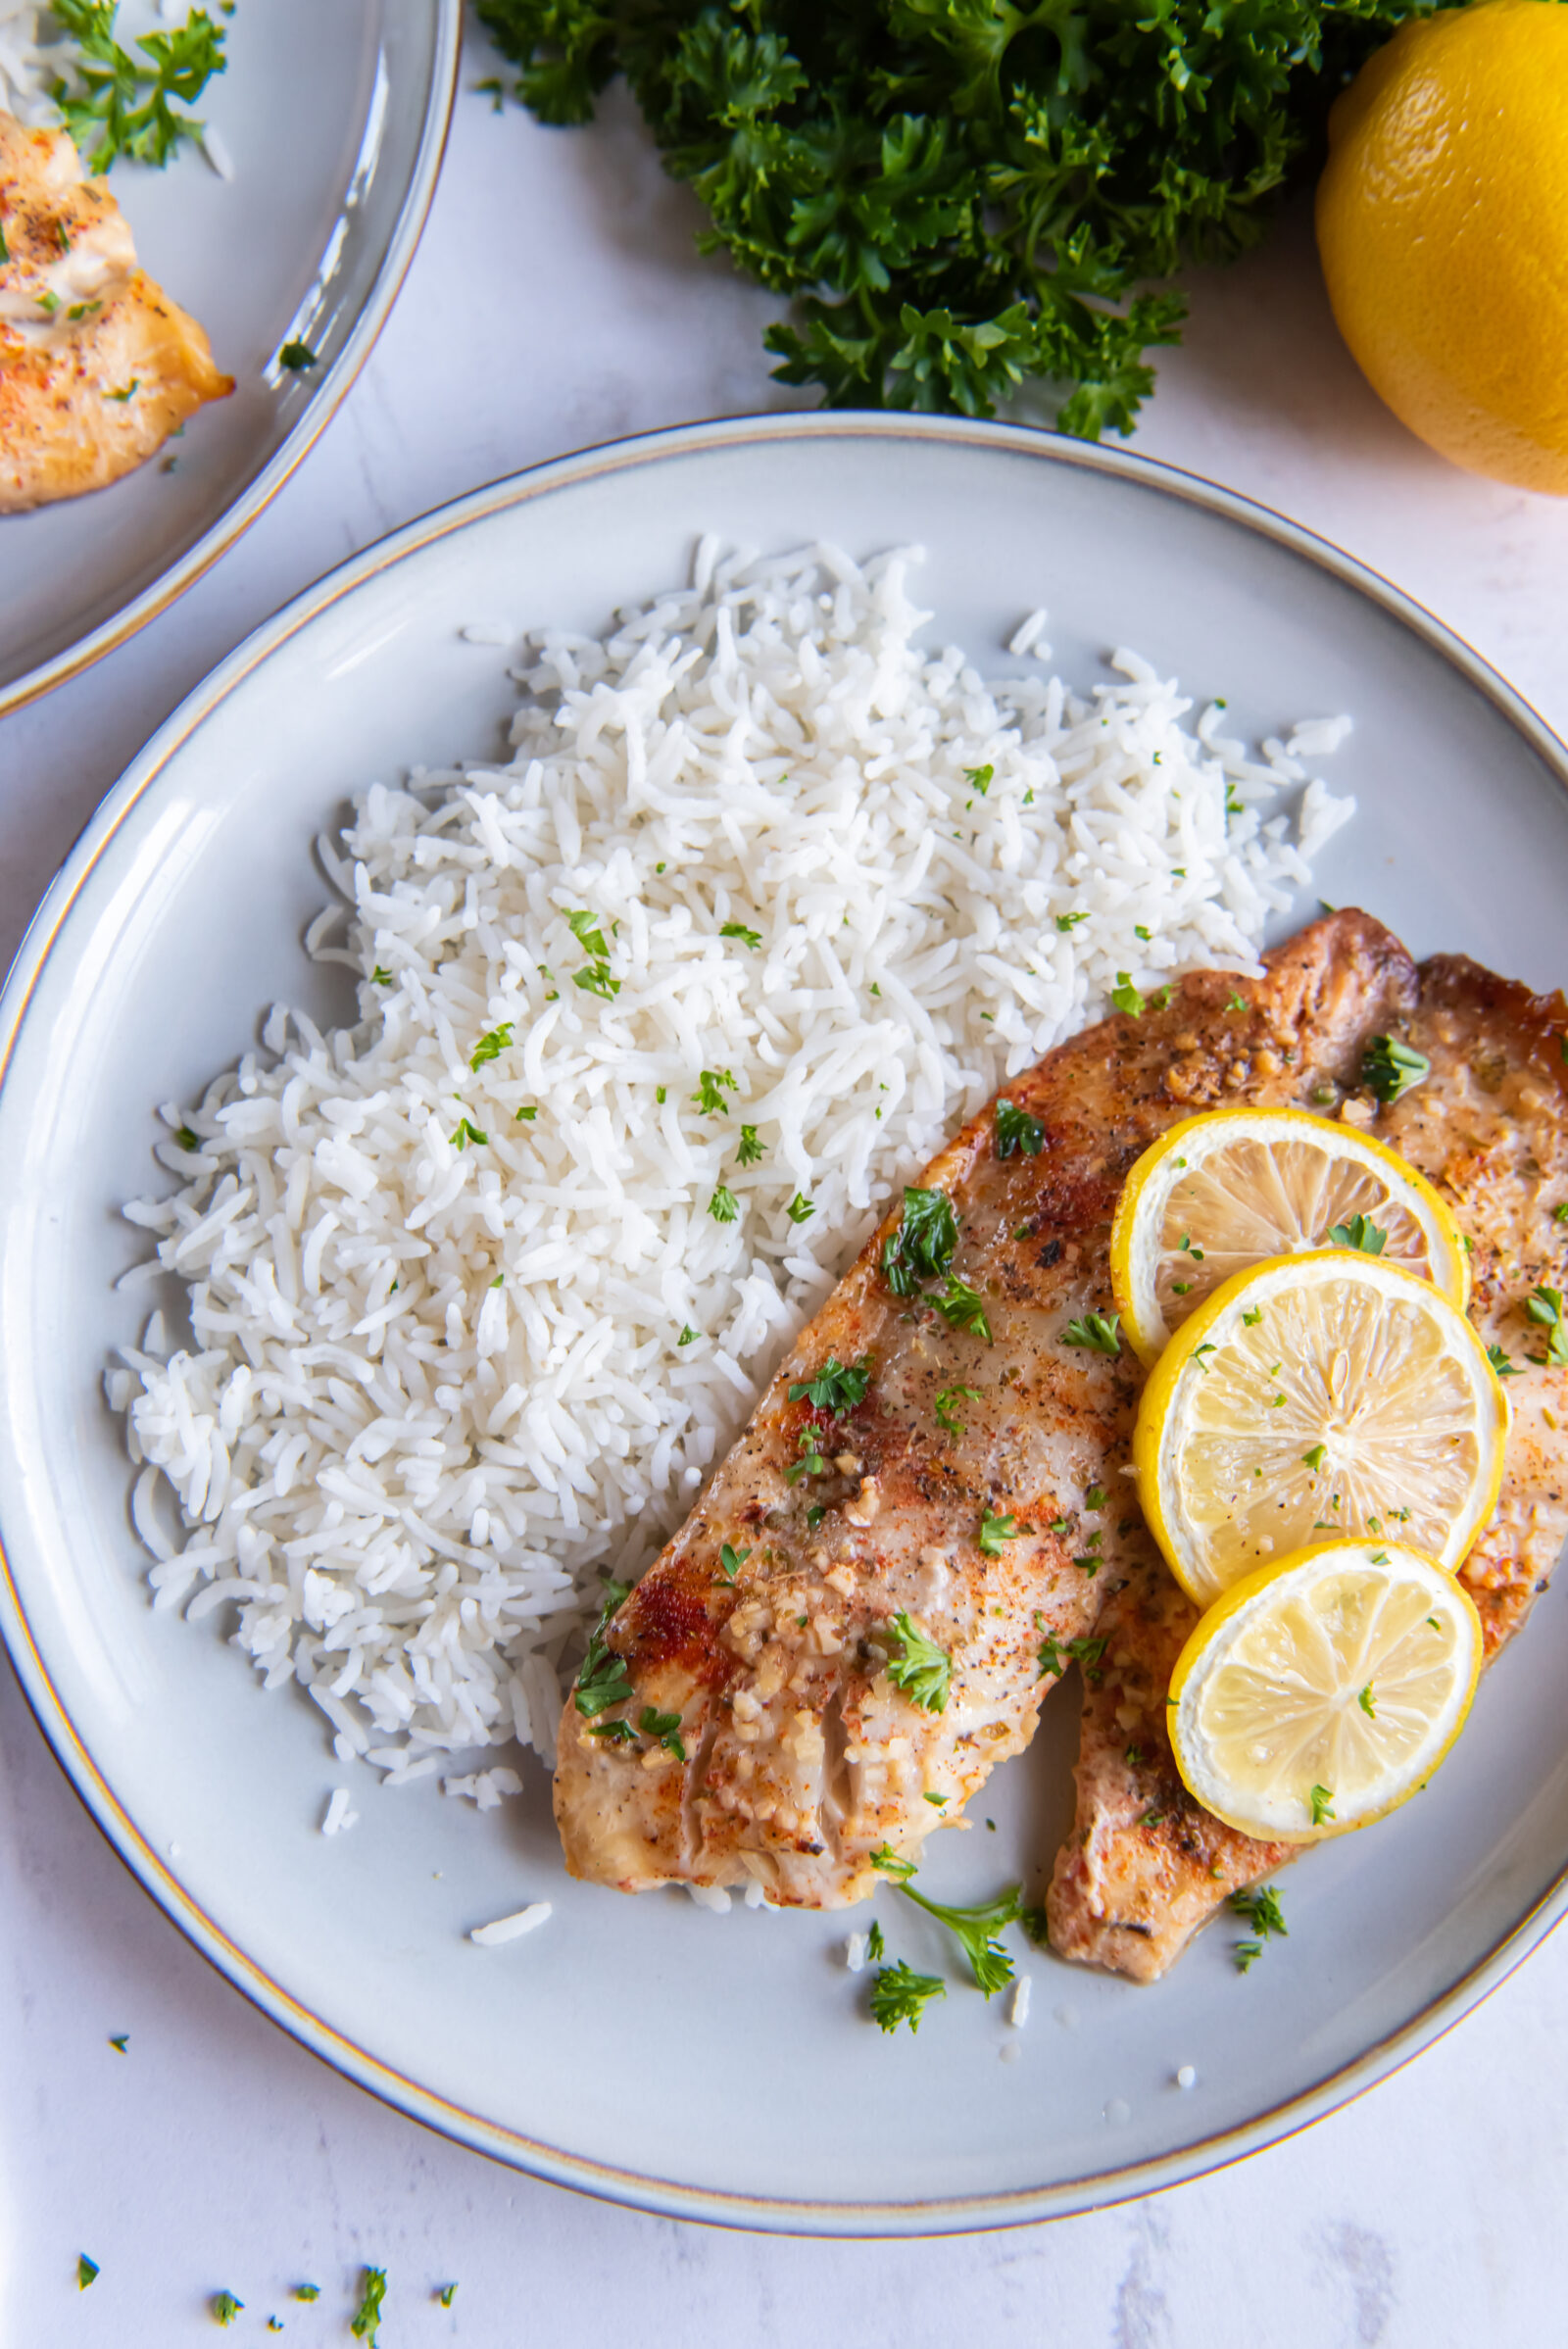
[961, 194]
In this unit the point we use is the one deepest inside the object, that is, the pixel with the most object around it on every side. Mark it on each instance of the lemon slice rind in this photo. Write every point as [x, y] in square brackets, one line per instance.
[1346, 1173]
[1266, 1694]
[1412, 1428]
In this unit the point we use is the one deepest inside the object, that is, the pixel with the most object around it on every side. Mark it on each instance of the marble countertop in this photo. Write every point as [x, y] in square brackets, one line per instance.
[214, 2153]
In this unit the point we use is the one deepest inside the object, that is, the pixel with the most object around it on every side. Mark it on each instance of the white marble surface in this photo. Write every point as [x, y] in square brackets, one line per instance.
[556, 301]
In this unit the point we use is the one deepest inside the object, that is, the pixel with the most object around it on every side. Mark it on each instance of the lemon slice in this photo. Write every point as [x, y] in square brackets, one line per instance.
[1220, 1193]
[1322, 1692]
[1329, 1394]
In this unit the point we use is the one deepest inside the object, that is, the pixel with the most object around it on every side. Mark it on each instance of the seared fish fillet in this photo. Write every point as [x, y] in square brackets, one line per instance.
[1144, 1865]
[97, 366]
[800, 1751]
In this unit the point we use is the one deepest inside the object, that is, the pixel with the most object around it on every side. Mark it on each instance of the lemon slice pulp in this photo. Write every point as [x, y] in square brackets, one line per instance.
[1322, 1692]
[1331, 1394]
[1223, 1191]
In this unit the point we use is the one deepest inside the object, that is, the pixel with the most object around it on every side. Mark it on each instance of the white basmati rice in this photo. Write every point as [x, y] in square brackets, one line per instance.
[513, 1929]
[466, 1332]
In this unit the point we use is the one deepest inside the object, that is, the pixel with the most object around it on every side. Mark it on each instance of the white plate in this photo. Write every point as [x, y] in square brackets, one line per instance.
[720, 2066]
[334, 119]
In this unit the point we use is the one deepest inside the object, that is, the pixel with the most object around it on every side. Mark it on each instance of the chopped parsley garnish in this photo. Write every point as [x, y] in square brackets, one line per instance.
[297, 357]
[980, 777]
[1056, 1654]
[888, 1862]
[750, 1151]
[1501, 1363]
[1545, 1307]
[124, 104]
[188, 1139]
[527, 1116]
[491, 1046]
[723, 1206]
[380, 976]
[121, 2041]
[814, 1516]
[938, 1802]
[994, 1531]
[920, 1669]
[601, 1677]
[1246, 1955]
[464, 1132]
[1181, 1288]
[449, 2291]
[1253, 1318]
[1322, 1803]
[738, 929]
[900, 1995]
[963, 1308]
[1559, 1213]
[875, 1946]
[618, 1732]
[1098, 1331]
[1071, 921]
[596, 980]
[585, 928]
[812, 1464]
[1367, 1702]
[1016, 1130]
[688, 1336]
[1314, 1458]
[731, 1561]
[1359, 1233]
[710, 1089]
[1095, 1497]
[1389, 1068]
[834, 1388]
[1263, 1911]
[1235, 1002]
[307, 2291]
[87, 2270]
[800, 1208]
[225, 2308]
[1185, 1243]
[922, 1245]
[976, 1930]
[366, 2322]
[664, 1727]
[1126, 997]
[945, 1402]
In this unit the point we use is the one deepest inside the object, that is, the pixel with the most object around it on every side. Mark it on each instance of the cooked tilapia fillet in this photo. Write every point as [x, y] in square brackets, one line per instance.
[801, 1755]
[97, 366]
[1144, 1865]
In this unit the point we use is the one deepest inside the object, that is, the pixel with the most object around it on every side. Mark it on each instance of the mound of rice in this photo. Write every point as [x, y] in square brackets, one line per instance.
[655, 1020]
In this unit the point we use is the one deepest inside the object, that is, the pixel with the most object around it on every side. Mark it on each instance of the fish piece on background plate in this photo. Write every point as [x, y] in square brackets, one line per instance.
[1145, 1865]
[97, 364]
[889, 1572]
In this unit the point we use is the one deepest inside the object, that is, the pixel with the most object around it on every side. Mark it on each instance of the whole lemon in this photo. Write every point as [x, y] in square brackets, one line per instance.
[1442, 224]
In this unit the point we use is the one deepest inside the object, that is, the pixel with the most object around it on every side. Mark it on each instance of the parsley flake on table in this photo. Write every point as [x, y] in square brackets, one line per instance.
[87, 2272]
[225, 2308]
[307, 2291]
[921, 1669]
[446, 2294]
[876, 1948]
[366, 2322]
[121, 2041]
[900, 1995]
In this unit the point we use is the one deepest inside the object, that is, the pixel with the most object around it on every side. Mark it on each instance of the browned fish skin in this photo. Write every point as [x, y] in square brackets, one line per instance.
[97, 364]
[802, 1755]
[1144, 1865]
